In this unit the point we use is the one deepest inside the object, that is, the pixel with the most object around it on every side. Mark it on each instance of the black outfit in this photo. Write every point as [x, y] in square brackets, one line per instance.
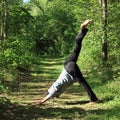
[72, 68]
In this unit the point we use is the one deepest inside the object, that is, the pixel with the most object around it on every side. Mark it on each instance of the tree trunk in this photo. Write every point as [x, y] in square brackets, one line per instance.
[3, 19]
[103, 3]
[104, 39]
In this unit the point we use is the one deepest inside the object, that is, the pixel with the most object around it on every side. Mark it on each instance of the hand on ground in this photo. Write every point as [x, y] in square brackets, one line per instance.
[39, 102]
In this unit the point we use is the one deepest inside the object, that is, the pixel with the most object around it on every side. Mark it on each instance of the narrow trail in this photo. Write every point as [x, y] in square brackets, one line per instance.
[41, 77]
[35, 84]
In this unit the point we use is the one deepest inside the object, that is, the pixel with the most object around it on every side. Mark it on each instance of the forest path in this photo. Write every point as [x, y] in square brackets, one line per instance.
[72, 103]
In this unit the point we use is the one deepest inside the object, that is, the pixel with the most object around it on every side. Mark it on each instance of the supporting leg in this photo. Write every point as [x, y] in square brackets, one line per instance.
[74, 70]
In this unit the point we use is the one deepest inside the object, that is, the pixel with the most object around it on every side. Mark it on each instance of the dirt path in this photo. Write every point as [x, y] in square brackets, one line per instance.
[72, 103]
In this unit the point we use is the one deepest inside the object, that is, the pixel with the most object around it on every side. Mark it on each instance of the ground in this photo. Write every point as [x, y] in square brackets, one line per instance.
[72, 104]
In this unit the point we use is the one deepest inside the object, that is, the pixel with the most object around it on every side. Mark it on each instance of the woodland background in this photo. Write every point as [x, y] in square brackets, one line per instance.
[49, 27]
[43, 29]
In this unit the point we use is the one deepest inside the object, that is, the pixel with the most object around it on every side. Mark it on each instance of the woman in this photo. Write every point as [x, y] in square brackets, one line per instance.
[71, 72]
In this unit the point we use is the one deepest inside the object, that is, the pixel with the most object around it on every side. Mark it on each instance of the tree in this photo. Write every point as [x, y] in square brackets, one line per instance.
[54, 26]
[103, 3]
[17, 33]
[3, 18]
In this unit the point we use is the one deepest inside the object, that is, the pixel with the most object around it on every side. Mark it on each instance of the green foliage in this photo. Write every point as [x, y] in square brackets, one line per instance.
[50, 28]
[113, 30]
[16, 47]
[16, 52]
[55, 29]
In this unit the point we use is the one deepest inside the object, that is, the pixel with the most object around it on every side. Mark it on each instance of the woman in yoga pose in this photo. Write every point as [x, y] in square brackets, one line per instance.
[71, 72]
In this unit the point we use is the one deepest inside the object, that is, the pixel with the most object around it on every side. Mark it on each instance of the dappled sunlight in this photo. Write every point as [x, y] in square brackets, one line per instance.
[39, 38]
[73, 103]
[61, 111]
[43, 112]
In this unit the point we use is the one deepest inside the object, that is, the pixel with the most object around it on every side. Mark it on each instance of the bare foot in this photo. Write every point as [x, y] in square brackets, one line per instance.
[92, 103]
[85, 23]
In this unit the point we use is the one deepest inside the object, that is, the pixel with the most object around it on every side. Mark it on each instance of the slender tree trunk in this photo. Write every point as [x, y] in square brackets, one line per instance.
[103, 3]
[3, 19]
[104, 39]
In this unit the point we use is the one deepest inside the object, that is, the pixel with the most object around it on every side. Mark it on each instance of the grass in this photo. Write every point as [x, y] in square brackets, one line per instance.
[72, 104]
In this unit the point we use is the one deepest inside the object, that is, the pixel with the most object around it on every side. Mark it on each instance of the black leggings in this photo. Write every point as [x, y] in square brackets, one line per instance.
[73, 69]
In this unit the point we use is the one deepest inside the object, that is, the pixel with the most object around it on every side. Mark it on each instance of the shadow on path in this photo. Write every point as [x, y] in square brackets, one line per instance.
[20, 112]
[9, 111]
